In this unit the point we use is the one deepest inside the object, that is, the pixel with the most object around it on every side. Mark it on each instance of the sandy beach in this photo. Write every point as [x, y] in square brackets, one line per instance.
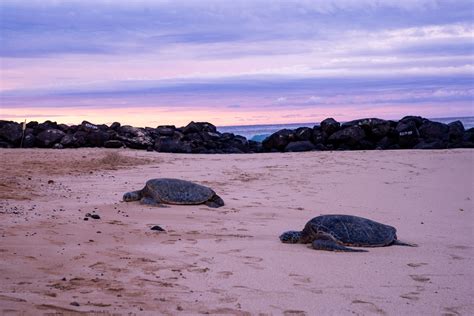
[229, 261]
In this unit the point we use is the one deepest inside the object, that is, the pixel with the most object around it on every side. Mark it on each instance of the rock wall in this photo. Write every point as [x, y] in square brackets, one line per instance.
[412, 132]
[200, 137]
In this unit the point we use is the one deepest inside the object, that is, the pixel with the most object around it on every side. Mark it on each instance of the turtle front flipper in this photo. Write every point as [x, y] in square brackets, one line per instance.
[331, 245]
[215, 201]
[150, 201]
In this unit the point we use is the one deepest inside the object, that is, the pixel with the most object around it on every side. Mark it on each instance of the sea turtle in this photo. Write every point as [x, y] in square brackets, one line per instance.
[174, 191]
[335, 232]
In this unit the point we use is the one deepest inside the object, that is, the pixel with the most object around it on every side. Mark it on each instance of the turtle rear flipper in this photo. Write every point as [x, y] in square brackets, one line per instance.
[401, 243]
[330, 245]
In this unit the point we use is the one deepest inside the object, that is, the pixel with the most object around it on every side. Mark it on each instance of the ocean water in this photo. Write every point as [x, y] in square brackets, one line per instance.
[260, 132]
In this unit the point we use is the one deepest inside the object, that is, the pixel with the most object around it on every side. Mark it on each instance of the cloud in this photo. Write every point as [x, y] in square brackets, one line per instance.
[314, 100]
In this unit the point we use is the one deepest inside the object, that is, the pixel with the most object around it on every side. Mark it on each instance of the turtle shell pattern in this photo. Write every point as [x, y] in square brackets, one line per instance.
[349, 230]
[176, 191]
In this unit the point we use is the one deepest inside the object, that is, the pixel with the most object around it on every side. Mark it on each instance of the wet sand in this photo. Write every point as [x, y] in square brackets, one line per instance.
[229, 261]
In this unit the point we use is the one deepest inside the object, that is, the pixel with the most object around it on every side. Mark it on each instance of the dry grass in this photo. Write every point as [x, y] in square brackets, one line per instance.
[22, 170]
[115, 160]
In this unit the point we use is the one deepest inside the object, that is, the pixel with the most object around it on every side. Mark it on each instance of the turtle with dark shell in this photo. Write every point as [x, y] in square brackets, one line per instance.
[174, 191]
[336, 232]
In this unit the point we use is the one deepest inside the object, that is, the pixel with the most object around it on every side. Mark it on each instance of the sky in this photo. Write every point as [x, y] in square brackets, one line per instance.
[147, 63]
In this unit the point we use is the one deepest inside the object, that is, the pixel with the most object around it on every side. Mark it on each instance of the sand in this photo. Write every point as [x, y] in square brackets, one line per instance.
[229, 261]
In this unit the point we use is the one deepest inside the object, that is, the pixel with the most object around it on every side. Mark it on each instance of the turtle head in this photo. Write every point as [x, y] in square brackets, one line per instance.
[132, 196]
[290, 237]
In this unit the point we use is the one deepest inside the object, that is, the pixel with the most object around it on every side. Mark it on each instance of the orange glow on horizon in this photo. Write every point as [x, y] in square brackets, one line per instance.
[152, 117]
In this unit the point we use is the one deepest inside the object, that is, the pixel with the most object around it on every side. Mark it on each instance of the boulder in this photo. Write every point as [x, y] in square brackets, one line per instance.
[166, 130]
[79, 139]
[29, 141]
[170, 145]
[408, 135]
[113, 143]
[196, 127]
[49, 137]
[278, 140]
[44, 126]
[68, 140]
[115, 126]
[239, 142]
[298, 146]
[88, 127]
[11, 132]
[456, 131]
[134, 137]
[435, 144]
[97, 138]
[349, 137]
[434, 130]
[469, 135]
[373, 127]
[318, 136]
[330, 126]
[303, 133]
[417, 120]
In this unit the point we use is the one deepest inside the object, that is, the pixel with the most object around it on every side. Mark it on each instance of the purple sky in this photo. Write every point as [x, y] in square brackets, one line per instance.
[235, 62]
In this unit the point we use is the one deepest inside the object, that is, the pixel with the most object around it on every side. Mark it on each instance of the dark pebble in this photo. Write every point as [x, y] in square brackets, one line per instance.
[75, 304]
[157, 228]
[94, 216]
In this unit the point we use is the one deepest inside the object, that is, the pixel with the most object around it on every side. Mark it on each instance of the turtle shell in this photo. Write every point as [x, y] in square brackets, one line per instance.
[176, 191]
[350, 230]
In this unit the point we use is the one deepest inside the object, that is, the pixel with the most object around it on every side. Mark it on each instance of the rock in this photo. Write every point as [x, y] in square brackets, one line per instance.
[456, 131]
[31, 124]
[58, 146]
[417, 120]
[166, 130]
[4, 144]
[194, 138]
[171, 145]
[97, 138]
[298, 146]
[434, 130]
[94, 216]
[157, 228]
[67, 140]
[408, 135]
[350, 136]
[436, 144]
[386, 143]
[134, 137]
[45, 126]
[196, 127]
[29, 141]
[115, 126]
[11, 132]
[374, 128]
[330, 126]
[49, 137]
[278, 140]
[303, 133]
[469, 135]
[88, 127]
[113, 143]
[74, 304]
[318, 135]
